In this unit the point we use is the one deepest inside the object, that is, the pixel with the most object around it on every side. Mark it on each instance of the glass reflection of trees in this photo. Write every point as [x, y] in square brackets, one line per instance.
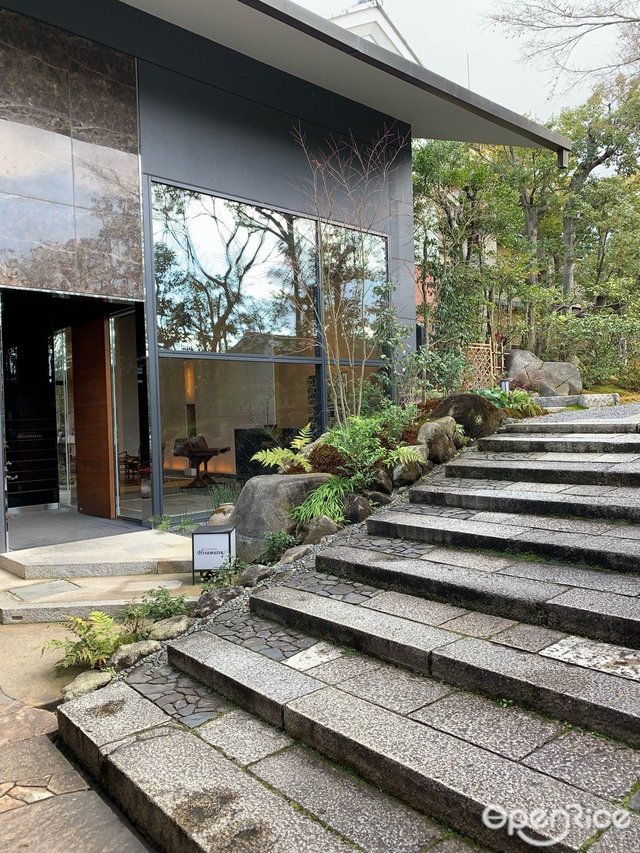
[231, 277]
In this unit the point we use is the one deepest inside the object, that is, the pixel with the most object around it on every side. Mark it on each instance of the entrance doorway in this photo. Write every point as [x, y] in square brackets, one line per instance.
[75, 411]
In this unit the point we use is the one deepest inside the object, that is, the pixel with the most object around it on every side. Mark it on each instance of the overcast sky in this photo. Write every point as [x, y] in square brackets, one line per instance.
[443, 33]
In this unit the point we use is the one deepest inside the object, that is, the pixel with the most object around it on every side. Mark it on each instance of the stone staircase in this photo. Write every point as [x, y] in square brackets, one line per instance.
[476, 648]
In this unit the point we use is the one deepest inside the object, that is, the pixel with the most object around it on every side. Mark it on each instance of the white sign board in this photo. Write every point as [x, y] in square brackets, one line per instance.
[211, 550]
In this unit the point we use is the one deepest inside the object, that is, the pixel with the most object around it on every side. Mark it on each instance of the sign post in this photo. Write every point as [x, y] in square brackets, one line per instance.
[212, 547]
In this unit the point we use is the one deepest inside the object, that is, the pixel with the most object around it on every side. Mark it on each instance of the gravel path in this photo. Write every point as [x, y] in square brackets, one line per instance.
[605, 413]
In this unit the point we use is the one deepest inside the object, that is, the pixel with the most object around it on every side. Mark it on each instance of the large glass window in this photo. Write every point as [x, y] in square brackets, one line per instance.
[216, 413]
[231, 277]
[354, 272]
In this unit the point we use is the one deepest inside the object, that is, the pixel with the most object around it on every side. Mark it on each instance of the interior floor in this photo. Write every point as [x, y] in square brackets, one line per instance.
[57, 526]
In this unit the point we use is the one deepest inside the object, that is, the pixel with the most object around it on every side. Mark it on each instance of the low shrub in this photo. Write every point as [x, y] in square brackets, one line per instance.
[325, 459]
[226, 575]
[327, 499]
[277, 543]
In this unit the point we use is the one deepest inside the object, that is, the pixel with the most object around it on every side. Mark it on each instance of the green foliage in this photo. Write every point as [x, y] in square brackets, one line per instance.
[225, 576]
[98, 637]
[156, 604]
[326, 459]
[599, 341]
[224, 493]
[515, 404]
[186, 524]
[401, 456]
[327, 499]
[426, 371]
[284, 458]
[277, 543]
[395, 421]
[160, 522]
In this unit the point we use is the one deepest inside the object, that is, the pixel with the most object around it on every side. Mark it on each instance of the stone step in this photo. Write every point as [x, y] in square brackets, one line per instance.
[584, 697]
[448, 777]
[562, 606]
[382, 635]
[608, 502]
[500, 466]
[181, 792]
[602, 545]
[577, 426]
[562, 443]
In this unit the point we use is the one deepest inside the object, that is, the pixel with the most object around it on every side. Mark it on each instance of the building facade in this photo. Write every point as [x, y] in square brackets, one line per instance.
[189, 246]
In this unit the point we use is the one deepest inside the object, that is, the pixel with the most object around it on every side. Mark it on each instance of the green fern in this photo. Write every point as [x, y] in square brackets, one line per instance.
[401, 456]
[282, 457]
[98, 637]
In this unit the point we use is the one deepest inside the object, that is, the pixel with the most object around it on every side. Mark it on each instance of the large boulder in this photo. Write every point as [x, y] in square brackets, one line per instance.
[316, 529]
[438, 438]
[550, 378]
[130, 654]
[253, 575]
[559, 379]
[475, 413]
[265, 505]
[84, 683]
[522, 365]
[356, 508]
[407, 474]
[169, 629]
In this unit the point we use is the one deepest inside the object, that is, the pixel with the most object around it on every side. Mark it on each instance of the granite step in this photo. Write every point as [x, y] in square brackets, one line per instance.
[407, 754]
[584, 697]
[502, 466]
[601, 427]
[562, 443]
[601, 544]
[563, 604]
[605, 502]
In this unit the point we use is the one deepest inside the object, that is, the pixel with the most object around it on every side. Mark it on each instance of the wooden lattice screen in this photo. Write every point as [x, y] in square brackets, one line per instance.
[486, 364]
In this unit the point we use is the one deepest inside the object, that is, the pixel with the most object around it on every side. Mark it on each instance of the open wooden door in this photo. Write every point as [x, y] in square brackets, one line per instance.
[95, 463]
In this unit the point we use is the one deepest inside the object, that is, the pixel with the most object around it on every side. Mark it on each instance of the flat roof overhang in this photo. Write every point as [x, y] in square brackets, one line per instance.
[286, 36]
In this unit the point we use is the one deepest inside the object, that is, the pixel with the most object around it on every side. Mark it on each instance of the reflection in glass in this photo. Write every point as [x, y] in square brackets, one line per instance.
[354, 269]
[231, 277]
[216, 413]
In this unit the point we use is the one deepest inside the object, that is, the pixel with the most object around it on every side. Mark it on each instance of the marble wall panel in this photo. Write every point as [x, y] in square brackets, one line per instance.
[69, 170]
[37, 244]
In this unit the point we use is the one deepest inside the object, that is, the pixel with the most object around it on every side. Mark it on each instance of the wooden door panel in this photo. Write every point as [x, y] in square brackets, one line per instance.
[95, 475]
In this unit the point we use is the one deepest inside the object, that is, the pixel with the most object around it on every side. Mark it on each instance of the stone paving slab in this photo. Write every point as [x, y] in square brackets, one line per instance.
[137, 552]
[617, 840]
[314, 656]
[360, 812]
[116, 712]
[243, 737]
[580, 651]
[73, 823]
[390, 637]
[414, 608]
[570, 575]
[255, 682]
[395, 690]
[594, 764]
[348, 666]
[32, 770]
[618, 615]
[210, 804]
[461, 587]
[479, 624]
[529, 638]
[563, 443]
[486, 466]
[522, 498]
[429, 769]
[586, 698]
[615, 423]
[18, 722]
[604, 550]
[507, 731]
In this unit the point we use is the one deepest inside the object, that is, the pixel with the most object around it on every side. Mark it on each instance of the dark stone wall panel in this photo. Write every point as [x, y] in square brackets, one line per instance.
[69, 172]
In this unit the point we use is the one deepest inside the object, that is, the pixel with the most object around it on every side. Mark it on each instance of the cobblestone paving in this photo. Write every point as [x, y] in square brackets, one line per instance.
[385, 545]
[440, 511]
[179, 695]
[332, 587]
[269, 639]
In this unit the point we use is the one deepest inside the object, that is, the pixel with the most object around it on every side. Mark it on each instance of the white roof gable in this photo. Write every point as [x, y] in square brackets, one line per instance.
[369, 20]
